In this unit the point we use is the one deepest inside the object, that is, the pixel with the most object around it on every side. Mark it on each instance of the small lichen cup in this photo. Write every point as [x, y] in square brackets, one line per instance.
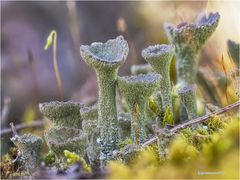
[160, 57]
[29, 147]
[105, 59]
[188, 40]
[136, 90]
[63, 138]
[187, 96]
[62, 114]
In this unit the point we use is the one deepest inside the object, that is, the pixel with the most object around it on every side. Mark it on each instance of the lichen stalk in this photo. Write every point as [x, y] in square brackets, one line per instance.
[160, 57]
[187, 96]
[107, 120]
[105, 59]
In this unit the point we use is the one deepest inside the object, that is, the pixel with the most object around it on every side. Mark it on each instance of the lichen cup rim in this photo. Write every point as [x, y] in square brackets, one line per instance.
[103, 54]
[157, 50]
[58, 104]
[27, 138]
[141, 79]
[202, 21]
[185, 89]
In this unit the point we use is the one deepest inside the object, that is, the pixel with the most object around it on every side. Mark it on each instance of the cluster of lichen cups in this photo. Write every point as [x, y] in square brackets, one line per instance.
[96, 131]
[66, 133]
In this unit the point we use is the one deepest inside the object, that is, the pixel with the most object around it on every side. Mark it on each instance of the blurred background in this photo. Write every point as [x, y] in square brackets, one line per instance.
[27, 73]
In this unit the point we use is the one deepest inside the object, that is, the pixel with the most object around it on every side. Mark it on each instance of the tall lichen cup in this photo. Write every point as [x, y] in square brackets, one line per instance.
[105, 59]
[188, 40]
[136, 90]
[160, 57]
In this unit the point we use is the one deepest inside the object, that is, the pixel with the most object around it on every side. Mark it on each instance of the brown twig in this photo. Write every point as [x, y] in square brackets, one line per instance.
[194, 121]
[35, 124]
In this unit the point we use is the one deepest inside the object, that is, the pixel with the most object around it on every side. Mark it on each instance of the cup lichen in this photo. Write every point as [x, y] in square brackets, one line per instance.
[187, 96]
[29, 147]
[63, 138]
[160, 57]
[136, 90]
[188, 40]
[105, 59]
[62, 114]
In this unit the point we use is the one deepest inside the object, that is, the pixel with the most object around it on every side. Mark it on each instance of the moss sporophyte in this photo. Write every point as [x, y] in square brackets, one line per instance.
[105, 59]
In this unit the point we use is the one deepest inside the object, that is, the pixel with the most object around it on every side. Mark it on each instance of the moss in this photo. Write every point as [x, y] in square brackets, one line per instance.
[50, 159]
[219, 154]
[168, 118]
[7, 166]
[124, 143]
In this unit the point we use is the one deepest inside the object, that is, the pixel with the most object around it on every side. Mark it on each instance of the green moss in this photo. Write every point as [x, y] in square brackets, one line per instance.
[7, 166]
[50, 158]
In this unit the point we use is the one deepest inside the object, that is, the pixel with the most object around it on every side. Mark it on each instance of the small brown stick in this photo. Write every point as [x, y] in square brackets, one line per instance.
[14, 129]
[194, 121]
[135, 124]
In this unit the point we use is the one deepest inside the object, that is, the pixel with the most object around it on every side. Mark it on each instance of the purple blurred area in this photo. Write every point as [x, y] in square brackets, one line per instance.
[27, 69]
[27, 74]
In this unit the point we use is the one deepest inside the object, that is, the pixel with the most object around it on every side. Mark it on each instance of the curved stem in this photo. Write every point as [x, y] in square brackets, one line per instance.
[56, 70]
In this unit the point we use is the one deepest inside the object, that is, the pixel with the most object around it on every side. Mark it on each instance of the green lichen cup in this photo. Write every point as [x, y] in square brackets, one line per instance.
[63, 138]
[29, 147]
[105, 59]
[136, 90]
[62, 114]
